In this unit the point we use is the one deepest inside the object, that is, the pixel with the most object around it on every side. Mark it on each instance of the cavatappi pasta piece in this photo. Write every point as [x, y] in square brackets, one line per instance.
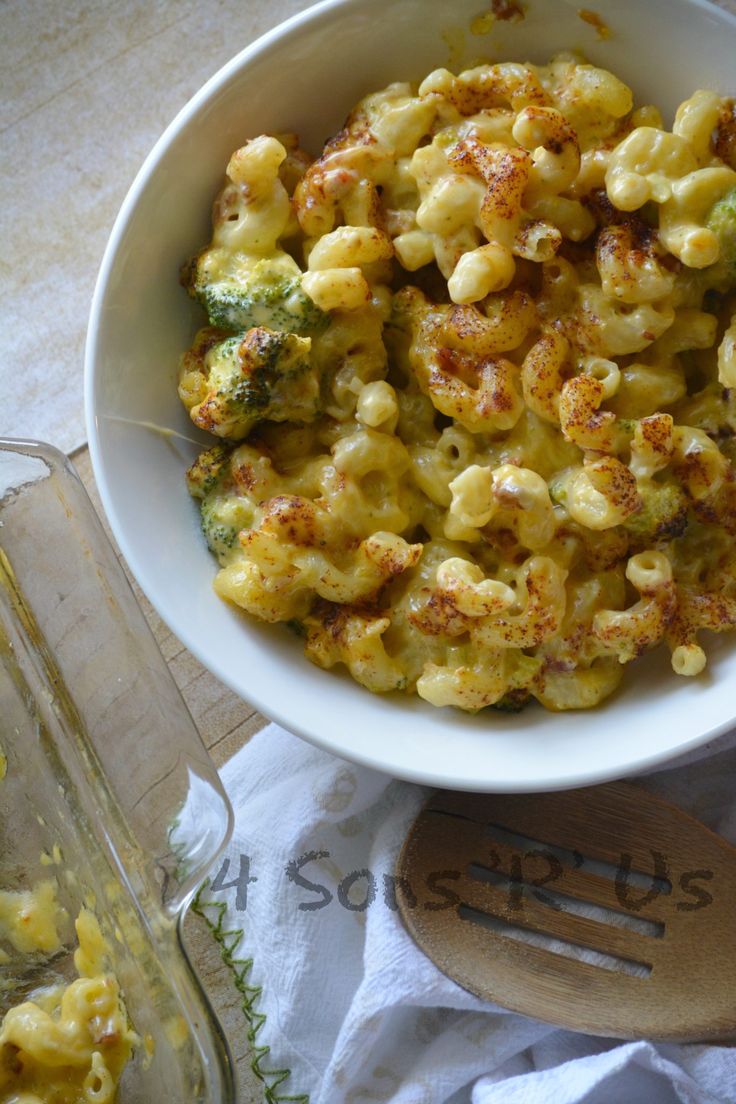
[645, 165]
[331, 181]
[448, 198]
[367, 487]
[254, 209]
[537, 240]
[688, 660]
[349, 354]
[473, 501]
[541, 596]
[581, 419]
[461, 584]
[698, 462]
[349, 246]
[482, 397]
[543, 375]
[696, 120]
[697, 611]
[602, 494]
[629, 632]
[574, 671]
[426, 617]
[505, 173]
[682, 217]
[473, 678]
[336, 279]
[341, 634]
[454, 355]
[617, 329]
[377, 406]
[445, 215]
[644, 389]
[523, 504]
[559, 294]
[72, 1042]
[399, 119]
[471, 370]
[434, 466]
[486, 86]
[337, 289]
[481, 271]
[691, 329]
[652, 445]
[593, 100]
[296, 552]
[510, 498]
[570, 218]
[554, 149]
[500, 326]
[580, 687]
[629, 262]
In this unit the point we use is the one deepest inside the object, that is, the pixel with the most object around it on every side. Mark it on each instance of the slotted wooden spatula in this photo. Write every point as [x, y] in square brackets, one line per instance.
[606, 909]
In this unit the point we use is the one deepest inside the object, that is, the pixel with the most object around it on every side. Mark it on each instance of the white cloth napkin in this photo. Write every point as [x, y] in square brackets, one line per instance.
[352, 1011]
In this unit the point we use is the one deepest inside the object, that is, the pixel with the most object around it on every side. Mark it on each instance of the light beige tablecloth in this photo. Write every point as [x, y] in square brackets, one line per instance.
[88, 87]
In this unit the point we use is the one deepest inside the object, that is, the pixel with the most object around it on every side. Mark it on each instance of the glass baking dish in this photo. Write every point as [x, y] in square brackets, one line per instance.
[105, 786]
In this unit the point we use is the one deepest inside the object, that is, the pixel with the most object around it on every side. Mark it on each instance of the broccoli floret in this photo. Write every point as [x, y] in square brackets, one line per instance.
[513, 701]
[663, 515]
[722, 221]
[246, 291]
[223, 517]
[224, 513]
[207, 470]
[245, 379]
[524, 669]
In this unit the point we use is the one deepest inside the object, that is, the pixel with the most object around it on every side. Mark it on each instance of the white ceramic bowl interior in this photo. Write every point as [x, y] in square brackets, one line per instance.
[305, 76]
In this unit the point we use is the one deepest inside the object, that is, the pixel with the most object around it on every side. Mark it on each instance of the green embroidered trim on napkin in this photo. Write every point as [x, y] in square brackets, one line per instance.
[229, 941]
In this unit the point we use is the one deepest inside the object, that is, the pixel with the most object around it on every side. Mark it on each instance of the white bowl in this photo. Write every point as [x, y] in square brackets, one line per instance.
[304, 76]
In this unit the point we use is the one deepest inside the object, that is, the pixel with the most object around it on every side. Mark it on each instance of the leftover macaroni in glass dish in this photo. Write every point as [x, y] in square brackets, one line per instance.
[69, 1043]
[469, 377]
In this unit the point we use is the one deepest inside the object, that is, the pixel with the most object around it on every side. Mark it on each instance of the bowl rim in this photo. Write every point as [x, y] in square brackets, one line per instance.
[269, 707]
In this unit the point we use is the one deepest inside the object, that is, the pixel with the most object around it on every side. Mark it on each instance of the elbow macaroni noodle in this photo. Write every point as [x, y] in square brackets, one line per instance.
[499, 464]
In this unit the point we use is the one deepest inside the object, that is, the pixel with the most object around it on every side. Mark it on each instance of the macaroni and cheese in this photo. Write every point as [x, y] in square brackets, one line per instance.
[69, 1044]
[469, 378]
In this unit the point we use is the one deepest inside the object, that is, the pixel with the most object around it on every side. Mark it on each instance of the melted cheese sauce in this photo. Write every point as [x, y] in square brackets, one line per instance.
[29, 919]
[514, 292]
[71, 1043]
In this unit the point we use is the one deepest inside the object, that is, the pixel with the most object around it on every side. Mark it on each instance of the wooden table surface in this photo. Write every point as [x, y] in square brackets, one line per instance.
[225, 723]
[224, 720]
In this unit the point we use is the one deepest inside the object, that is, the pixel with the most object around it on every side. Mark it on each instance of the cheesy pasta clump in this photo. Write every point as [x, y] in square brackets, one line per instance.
[70, 1044]
[469, 375]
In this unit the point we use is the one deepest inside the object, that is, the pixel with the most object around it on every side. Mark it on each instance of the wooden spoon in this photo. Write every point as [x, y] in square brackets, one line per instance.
[606, 910]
